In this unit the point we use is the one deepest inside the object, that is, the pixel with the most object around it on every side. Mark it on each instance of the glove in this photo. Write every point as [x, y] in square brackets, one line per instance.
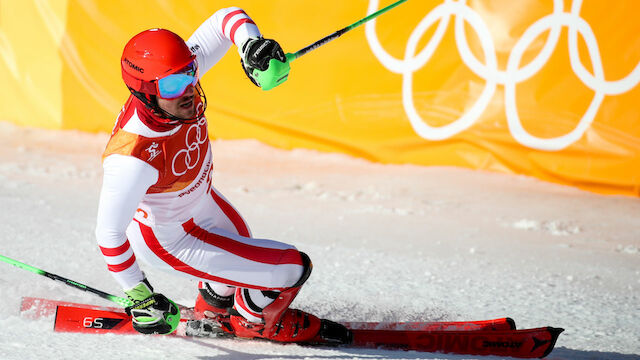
[151, 313]
[256, 54]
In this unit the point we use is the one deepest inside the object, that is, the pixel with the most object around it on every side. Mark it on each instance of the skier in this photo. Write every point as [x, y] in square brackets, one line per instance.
[158, 203]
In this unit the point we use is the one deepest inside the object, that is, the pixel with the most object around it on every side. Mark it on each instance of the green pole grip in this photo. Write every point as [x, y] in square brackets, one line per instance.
[276, 73]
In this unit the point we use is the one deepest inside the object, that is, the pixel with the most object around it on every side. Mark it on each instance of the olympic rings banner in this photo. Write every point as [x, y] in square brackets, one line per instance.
[543, 88]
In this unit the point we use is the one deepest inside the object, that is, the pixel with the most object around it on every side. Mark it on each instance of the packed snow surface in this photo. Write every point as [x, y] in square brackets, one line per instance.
[388, 242]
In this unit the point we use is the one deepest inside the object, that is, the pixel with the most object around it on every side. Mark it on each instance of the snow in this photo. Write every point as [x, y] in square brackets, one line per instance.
[388, 242]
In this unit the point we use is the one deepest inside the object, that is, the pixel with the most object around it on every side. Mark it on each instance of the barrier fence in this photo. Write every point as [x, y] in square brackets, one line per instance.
[541, 88]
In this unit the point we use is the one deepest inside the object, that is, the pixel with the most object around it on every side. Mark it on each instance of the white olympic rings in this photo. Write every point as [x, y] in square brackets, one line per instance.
[193, 144]
[510, 77]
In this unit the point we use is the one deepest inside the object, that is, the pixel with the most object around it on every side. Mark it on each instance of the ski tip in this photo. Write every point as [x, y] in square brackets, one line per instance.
[511, 322]
[555, 332]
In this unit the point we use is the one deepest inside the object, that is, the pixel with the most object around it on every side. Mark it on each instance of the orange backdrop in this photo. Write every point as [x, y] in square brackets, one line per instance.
[542, 88]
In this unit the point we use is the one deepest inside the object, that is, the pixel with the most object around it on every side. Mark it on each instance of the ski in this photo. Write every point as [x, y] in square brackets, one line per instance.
[91, 320]
[526, 343]
[36, 308]
[488, 337]
[33, 308]
[495, 324]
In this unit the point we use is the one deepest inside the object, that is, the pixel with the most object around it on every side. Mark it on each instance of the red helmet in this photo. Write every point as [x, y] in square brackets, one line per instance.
[152, 55]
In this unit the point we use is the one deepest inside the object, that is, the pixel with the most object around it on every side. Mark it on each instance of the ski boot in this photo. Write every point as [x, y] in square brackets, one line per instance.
[211, 305]
[293, 326]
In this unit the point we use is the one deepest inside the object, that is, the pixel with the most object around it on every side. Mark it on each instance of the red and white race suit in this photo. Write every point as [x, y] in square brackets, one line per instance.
[157, 201]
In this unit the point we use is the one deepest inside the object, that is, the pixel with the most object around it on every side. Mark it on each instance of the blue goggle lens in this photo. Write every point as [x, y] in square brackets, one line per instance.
[174, 85]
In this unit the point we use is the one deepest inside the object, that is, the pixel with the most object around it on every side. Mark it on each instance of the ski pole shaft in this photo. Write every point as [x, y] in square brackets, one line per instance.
[124, 302]
[339, 33]
[277, 72]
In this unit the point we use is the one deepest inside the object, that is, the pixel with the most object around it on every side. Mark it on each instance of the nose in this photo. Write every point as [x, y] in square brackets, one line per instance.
[190, 90]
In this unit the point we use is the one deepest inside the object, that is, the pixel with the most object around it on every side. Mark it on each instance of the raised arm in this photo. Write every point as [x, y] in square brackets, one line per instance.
[216, 35]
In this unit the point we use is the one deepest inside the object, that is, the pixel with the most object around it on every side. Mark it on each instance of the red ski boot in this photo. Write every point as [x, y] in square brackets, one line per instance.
[293, 326]
[279, 322]
[245, 329]
[211, 305]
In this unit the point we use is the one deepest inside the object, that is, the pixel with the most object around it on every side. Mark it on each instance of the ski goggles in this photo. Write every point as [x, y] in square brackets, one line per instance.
[173, 86]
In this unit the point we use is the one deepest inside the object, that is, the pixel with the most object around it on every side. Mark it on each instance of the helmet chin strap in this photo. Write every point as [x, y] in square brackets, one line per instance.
[151, 103]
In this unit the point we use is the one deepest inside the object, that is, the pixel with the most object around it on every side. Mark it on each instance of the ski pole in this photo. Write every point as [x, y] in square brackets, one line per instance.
[124, 302]
[340, 32]
[278, 71]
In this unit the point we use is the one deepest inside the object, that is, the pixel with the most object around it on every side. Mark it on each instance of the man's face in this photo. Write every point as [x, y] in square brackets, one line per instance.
[183, 107]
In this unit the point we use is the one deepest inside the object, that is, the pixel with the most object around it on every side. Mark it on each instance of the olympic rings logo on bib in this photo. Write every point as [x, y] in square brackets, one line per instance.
[189, 157]
[510, 77]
